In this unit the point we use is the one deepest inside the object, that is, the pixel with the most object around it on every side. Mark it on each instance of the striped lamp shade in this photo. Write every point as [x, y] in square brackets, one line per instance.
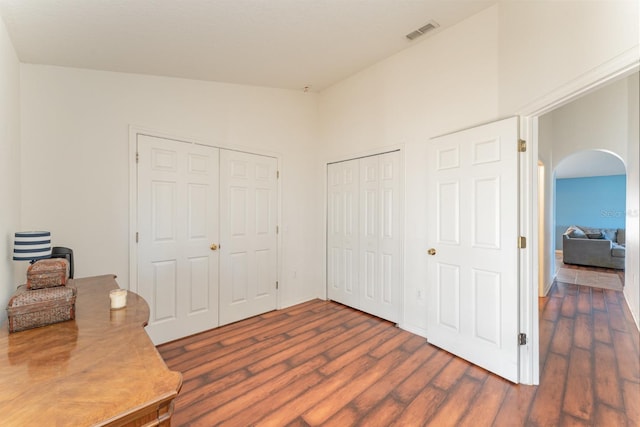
[31, 245]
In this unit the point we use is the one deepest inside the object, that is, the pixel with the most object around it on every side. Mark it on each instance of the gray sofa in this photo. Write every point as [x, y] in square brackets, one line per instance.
[597, 247]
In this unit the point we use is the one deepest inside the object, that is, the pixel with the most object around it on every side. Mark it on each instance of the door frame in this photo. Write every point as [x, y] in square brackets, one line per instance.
[401, 215]
[134, 131]
[620, 66]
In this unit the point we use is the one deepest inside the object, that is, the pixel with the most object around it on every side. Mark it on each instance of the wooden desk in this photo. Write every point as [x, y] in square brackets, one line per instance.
[99, 369]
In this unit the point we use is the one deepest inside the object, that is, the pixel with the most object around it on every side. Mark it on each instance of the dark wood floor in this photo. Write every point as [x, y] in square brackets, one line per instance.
[320, 363]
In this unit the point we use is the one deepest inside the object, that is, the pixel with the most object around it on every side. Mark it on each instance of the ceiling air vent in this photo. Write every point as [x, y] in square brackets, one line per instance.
[431, 25]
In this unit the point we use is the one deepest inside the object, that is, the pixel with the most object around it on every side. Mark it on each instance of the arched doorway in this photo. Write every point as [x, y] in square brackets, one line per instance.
[590, 190]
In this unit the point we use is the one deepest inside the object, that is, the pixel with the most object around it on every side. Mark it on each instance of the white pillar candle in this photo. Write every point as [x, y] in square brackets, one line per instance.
[118, 298]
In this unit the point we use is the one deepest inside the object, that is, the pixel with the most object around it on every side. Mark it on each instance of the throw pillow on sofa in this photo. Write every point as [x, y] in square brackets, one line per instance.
[577, 233]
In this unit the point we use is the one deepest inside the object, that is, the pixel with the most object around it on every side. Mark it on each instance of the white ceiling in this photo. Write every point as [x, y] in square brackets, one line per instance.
[590, 163]
[276, 43]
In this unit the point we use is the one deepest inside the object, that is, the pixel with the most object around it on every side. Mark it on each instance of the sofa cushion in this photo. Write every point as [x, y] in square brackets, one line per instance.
[617, 251]
[576, 233]
[610, 233]
[597, 235]
[620, 236]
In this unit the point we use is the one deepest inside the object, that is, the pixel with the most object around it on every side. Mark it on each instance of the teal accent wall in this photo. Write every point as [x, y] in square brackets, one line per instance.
[598, 201]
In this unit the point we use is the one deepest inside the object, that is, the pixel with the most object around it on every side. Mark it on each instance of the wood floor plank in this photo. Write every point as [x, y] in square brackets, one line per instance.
[397, 339]
[631, 395]
[303, 402]
[231, 361]
[578, 396]
[410, 387]
[563, 336]
[456, 404]
[617, 321]
[373, 340]
[491, 394]
[451, 374]
[597, 299]
[552, 309]
[601, 327]
[569, 421]
[310, 351]
[583, 331]
[254, 412]
[606, 416]
[347, 416]
[477, 373]
[244, 399]
[195, 359]
[612, 297]
[626, 356]
[346, 346]
[201, 387]
[547, 404]
[383, 415]
[546, 333]
[607, 380]
[584, 301]
[569, 306]
[209, 404]
[379, 391]
[514, 410]
[318, 414]
[282, 351]
[422, 408]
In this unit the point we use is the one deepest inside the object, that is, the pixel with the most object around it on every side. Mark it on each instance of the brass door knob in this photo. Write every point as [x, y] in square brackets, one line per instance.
[431, 251]
[213, 247]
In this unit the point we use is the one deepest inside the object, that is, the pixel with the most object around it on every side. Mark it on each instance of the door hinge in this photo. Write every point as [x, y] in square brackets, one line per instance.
[522, 242]
[137, 157]
[277, 285]
[522, 339]
[277, 174]
[522, 146]
[137, 236]
[277, 229]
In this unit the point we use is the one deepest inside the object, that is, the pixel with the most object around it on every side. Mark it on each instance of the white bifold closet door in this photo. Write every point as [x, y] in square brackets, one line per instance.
[363, 233]
[207, 240]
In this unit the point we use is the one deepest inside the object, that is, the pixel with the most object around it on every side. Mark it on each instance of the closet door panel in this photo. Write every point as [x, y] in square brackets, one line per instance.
[342, 232]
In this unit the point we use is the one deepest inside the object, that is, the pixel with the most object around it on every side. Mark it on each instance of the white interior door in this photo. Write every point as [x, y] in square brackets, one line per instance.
[343, 232]
[473, 229]
[380, 289]
[177, 223]
[248, 221]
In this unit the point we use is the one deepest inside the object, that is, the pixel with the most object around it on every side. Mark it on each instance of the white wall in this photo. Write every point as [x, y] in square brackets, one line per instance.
[596, 121]
[545, 155]
[447, 82]
[484, 68]
[632, 267]
[75, 158]
[545, 44]
[9, 164]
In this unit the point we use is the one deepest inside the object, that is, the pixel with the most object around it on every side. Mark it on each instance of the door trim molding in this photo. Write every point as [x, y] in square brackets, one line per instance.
[134, 131]
[618, 67]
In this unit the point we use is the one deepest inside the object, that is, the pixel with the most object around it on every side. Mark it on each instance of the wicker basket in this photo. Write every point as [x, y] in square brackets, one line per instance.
[47, 273]
[40, 307]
